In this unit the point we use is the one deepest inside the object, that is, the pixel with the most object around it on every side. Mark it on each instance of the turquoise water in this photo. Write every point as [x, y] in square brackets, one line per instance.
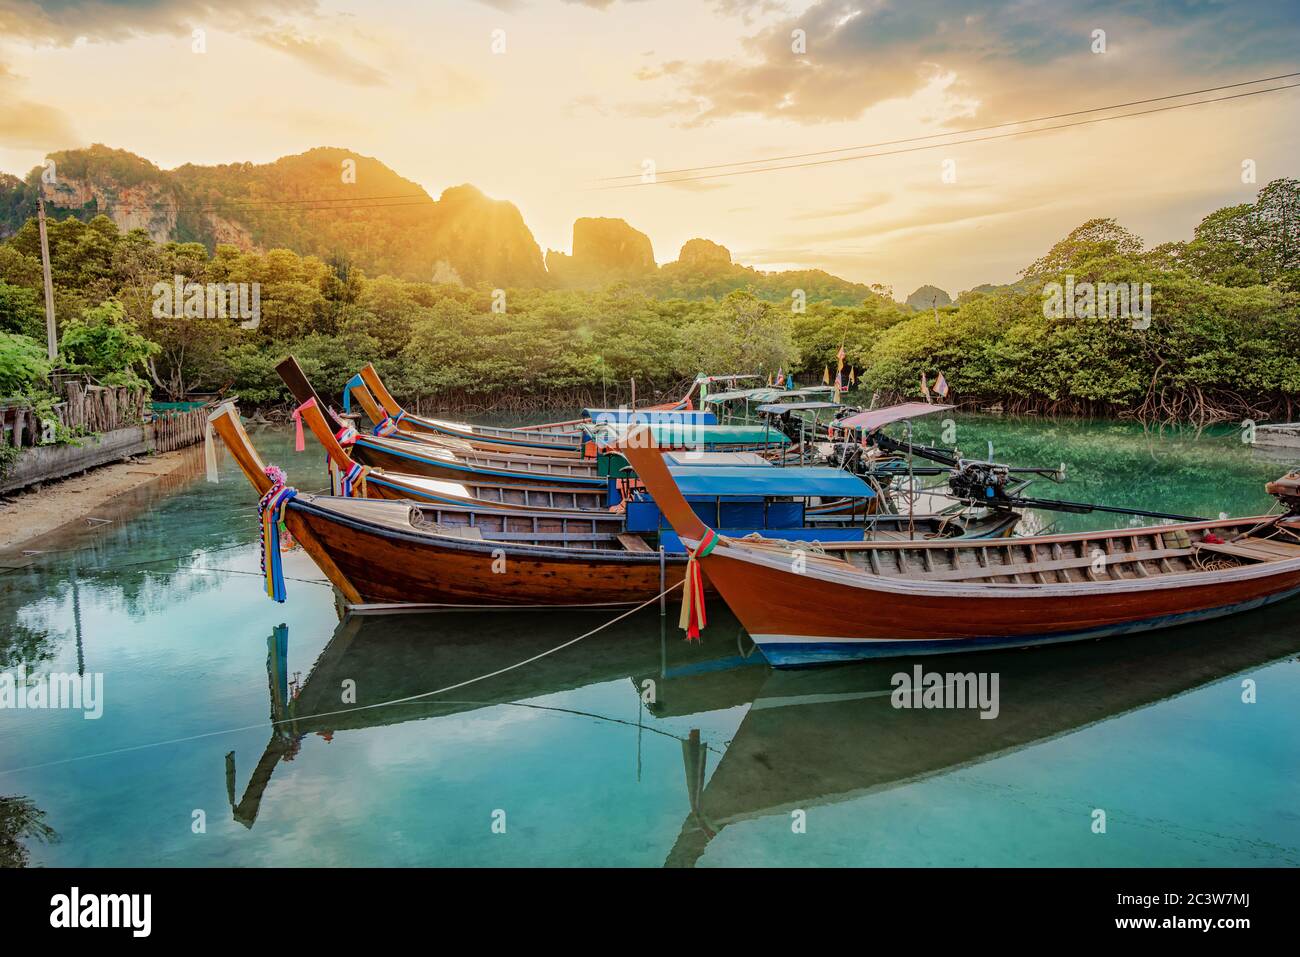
[630, 747]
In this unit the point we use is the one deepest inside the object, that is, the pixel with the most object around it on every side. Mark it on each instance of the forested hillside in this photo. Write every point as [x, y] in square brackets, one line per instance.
[1223, 338]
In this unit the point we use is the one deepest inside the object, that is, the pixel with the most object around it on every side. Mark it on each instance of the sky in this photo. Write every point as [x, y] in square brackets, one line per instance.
[542, 102]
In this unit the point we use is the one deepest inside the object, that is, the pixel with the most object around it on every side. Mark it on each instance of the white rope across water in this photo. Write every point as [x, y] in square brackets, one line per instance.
[343, 711]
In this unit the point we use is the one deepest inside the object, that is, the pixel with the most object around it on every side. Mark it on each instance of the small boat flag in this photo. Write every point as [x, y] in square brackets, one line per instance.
[826, 376]
[941, 387]
[925, 387]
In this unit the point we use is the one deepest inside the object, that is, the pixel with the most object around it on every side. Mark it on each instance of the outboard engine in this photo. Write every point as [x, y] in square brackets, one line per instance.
[1287, 491]
[981, 483]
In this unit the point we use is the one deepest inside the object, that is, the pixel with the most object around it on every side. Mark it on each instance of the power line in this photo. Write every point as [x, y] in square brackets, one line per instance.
[977, 129]
[932, 146]
[237, 205]
[300, 209]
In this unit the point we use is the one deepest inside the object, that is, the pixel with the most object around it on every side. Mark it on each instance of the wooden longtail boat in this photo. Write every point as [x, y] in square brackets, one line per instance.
[381, 483]
[562, 437]
[451, 462]
[459, 435]
[383, 555]
[837, 519]
[882, 599]
[386, 555]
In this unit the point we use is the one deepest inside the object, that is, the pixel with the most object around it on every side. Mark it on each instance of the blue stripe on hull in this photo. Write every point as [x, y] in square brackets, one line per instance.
[805, 654]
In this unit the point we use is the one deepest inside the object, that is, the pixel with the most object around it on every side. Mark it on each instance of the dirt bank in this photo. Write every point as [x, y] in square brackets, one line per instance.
[29, 514]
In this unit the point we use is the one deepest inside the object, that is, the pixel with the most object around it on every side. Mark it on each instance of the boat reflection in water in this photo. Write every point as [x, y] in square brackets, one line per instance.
[820, 736]
[394, 661]
[810, 737]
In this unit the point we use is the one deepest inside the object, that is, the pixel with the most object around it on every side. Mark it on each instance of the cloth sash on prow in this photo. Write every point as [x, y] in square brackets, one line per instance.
[692, 618]
[389, 425]
[349, 484]
[271, 511]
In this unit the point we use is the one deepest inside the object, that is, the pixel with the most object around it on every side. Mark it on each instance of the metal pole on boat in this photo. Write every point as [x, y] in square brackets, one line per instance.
[911, 485]
[663, 583]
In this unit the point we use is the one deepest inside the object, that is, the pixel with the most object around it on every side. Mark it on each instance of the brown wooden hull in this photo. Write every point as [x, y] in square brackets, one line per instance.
[495, 440]
[835, 614]
[413, 459]
[886, 599]
[390, 566]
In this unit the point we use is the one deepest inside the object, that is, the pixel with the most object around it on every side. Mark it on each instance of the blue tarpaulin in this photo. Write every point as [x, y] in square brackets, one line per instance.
[797, 481]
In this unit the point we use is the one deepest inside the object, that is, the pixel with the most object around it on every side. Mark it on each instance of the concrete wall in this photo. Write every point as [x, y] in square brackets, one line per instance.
[46, 462]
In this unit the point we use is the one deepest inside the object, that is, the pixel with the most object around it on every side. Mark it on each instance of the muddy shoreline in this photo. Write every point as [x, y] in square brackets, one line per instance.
[30, 514]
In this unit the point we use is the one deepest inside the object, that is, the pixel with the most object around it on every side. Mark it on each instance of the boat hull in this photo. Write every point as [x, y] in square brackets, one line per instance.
[412, 459]
[800, 620]
[389, 566]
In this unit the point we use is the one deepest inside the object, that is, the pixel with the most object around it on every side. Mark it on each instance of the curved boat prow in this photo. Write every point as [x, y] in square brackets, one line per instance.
[376, 385]
[364, 398]
[315, 419]
[225, 422]
[296, 380]
[648, 462]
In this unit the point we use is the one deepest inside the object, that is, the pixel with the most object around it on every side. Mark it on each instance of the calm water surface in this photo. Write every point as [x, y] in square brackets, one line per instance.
[223, 707]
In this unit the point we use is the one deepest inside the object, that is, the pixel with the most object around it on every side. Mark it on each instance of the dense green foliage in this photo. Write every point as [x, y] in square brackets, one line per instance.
[104, 342]
[1224, 336]
[23, 364]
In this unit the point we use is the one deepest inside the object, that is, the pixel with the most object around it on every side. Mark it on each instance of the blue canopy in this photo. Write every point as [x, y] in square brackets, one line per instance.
[650, 416]
[794, 481]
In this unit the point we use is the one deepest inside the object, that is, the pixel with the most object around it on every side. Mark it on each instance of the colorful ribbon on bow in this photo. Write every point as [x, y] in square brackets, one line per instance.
[347, 436]
[389, 425]
[349, 484]
[271, 512]
[298, 442]
[692, 618]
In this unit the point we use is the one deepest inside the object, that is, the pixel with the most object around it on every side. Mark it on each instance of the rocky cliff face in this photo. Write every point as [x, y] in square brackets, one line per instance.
[484, 240]
[604, 250]
[703, 252]
[339, 205]
[146, 206]
[315, 203]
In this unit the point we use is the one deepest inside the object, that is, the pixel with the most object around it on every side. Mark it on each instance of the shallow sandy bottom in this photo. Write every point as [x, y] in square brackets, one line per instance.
[28, 514]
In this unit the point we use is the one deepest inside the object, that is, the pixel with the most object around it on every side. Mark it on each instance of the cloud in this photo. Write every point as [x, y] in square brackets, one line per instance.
[325, 57]
[62, 22]
[999, 59]
[26, 124]
[865, 204]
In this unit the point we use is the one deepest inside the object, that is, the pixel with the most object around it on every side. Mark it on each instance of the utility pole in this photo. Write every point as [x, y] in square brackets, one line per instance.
[51, 331]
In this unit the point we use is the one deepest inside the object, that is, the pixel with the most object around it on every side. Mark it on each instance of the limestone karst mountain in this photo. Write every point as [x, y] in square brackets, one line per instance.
[351, 209]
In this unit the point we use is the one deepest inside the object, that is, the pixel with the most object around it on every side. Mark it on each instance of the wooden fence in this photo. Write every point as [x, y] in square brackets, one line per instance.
[174, 429]
[88, 408]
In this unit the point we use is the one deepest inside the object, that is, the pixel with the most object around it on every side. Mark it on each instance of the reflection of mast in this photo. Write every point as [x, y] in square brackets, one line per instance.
[696, 830]
[284, 740]
[76, 622]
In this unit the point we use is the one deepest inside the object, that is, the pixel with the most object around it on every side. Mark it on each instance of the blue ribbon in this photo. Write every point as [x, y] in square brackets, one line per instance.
[347, 391]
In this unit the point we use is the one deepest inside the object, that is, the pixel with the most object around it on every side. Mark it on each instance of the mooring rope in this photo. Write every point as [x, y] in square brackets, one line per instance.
[344, 711]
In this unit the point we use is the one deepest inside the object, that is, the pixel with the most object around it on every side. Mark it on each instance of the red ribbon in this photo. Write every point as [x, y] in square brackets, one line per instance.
[693, 618]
